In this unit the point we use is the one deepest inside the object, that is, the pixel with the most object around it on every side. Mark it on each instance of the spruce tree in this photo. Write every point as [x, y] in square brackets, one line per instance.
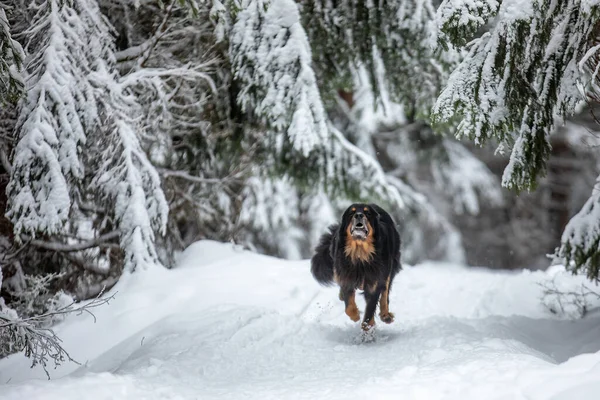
[277, 91]
[76, 138]
[516, 83]
[518, 78]
[396, 37]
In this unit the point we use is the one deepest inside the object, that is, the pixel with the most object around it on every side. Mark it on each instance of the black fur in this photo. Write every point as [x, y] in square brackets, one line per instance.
[373, 275]
[321, 262]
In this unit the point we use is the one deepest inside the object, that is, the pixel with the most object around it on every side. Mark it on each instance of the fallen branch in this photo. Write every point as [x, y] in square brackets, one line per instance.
[39, 343]
[573, 303]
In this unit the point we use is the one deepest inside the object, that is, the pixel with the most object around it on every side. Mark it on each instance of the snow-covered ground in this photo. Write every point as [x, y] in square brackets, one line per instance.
[230, 324]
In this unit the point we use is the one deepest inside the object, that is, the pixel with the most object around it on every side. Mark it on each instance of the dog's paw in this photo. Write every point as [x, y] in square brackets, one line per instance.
[368, 325]
[388, 317]
[353, 313]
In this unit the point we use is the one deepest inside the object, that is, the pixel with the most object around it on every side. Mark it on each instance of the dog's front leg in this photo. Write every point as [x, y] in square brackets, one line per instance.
[372, 295]
[349, 297]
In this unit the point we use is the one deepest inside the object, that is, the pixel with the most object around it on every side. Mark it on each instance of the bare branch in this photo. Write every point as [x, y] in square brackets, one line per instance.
[63, 247]
[573, 303]
[39, 343]
[166, 173]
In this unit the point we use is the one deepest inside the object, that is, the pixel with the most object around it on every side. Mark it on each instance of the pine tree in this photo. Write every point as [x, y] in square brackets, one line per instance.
[277, 91]
[394, 36]
[518, 78]
[77, 140]
[516, 83]
[52, 122]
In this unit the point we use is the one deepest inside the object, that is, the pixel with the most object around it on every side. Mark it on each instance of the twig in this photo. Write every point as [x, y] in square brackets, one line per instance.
[559, 301]
[184, 175]
[42, 344]
[68, 309]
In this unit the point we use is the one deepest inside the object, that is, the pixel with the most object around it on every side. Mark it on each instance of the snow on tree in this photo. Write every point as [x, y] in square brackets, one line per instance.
[398, 36]
[76, 135]
[459, 20]
[519, 78]
[581, 239]
[57, 110]
[464, 180]
[271, 62]
[517, 82]
[580, 242]
[123, 175]
[11, 57]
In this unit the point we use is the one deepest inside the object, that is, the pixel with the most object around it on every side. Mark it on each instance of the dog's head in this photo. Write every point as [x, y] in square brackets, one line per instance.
[359, 221]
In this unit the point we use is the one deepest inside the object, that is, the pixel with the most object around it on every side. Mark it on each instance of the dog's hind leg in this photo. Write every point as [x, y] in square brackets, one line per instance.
[384, 304]
[372, 297]
[349, 297]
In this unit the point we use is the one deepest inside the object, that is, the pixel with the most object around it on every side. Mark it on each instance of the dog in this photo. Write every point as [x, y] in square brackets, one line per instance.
[362, 252]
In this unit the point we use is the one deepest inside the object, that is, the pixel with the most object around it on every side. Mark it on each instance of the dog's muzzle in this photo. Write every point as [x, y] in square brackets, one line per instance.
[359, 229]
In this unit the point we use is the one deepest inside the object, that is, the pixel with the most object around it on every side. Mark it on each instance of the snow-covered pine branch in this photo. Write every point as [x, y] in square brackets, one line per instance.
[359, 174]
[124, 177]
[54, 116]
[459, 20]
[397, 36]
[271, 60]
[464, 180]
[518, 79]
[11, 58]
[270, 213]
[581, 239]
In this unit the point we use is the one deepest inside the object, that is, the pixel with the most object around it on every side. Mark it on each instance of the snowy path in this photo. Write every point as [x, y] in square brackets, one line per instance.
[235, 325]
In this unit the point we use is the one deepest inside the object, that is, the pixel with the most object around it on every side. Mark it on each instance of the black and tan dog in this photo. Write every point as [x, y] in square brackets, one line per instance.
[363, 252]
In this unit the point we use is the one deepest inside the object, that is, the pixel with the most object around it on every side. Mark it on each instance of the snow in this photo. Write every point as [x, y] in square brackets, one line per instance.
[227, 323]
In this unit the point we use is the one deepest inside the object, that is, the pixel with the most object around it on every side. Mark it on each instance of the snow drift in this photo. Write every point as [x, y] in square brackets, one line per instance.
[231, 324]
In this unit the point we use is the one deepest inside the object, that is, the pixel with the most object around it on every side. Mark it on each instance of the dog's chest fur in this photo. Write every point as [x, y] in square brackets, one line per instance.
[360, 266]
[359, 250]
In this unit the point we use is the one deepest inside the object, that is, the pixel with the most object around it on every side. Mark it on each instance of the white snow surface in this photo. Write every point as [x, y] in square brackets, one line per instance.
[231, 324]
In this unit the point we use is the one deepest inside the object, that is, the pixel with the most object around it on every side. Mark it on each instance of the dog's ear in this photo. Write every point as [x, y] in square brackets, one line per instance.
[374, 209]
[379, 227]
[345, 222]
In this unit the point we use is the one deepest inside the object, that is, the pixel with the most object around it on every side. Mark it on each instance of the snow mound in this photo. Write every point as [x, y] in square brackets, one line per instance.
[231, 324]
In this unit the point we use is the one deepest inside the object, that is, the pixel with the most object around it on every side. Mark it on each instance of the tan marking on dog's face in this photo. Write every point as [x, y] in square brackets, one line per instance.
[353, 209]
[360, 250]
[352, 308]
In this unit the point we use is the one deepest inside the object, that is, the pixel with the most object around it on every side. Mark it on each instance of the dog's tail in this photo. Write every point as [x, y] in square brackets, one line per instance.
[321, 264]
